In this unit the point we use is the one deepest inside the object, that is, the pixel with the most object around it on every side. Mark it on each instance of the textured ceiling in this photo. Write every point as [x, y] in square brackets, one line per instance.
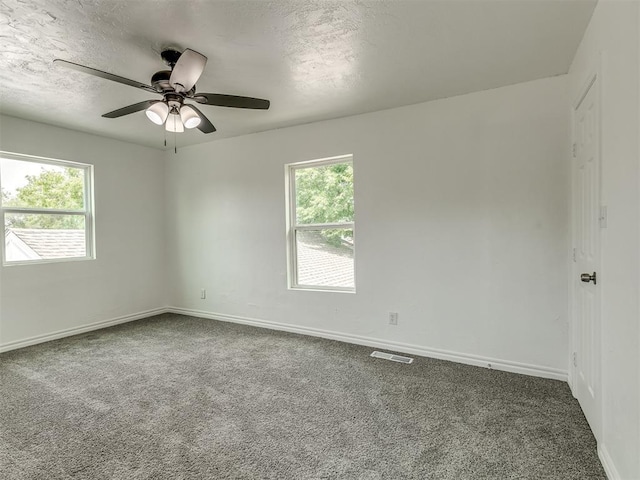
[314, 59]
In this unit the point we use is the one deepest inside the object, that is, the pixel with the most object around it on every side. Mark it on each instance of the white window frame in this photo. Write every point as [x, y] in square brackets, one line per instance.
[293, 226]
[87, 212]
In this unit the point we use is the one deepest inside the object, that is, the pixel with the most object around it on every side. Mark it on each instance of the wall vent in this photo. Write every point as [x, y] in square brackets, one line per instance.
[392, 357]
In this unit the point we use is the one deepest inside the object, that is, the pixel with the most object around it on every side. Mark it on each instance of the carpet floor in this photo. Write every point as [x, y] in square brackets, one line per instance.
[177, 397]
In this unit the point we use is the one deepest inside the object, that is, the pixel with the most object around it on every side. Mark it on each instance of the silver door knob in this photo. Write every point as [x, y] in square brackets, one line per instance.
[585, 277]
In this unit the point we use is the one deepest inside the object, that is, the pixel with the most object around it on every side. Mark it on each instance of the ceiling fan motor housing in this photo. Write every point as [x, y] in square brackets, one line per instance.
[160, 81]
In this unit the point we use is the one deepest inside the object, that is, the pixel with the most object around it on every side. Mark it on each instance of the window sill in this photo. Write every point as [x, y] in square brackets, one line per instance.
[40, 262]
[300, 288]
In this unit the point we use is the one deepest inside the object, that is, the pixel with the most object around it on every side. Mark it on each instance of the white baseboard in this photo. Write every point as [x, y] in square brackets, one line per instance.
[476, 360]
[5, 347]
[496, 364]
[607, 463]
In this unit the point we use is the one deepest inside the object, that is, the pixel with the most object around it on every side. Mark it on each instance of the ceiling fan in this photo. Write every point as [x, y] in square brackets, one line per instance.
[175, 86]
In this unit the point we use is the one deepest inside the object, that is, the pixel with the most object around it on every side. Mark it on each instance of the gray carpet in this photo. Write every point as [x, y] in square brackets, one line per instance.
[176, 397]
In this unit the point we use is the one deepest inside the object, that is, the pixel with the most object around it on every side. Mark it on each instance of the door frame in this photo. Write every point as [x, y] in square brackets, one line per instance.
[593, 80]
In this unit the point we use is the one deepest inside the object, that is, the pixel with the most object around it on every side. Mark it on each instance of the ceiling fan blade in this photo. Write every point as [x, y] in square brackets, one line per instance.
[136, 107]
[205, 125]
[234, 101]
[105, 75]
[187, 70]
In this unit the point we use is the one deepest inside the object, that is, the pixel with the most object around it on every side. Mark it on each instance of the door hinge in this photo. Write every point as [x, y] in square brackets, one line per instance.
[574, 254]
[603, 216]
[575, 359]
[574, 149]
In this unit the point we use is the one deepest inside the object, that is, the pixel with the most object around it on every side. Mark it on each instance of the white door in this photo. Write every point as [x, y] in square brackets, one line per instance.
[586, 241]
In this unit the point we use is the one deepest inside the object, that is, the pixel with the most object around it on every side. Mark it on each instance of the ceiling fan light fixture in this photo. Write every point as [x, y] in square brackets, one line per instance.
[174, 124]
[158, 112]
[189, 117]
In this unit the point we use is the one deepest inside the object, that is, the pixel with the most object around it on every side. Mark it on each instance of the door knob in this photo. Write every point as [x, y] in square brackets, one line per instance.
[585, 277]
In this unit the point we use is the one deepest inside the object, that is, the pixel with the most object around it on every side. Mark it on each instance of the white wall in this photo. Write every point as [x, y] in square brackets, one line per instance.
[127, 276]
[461, 226]
[613, 36]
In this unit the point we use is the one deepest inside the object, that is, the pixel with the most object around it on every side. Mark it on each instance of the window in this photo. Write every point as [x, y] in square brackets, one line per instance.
[47, 209]
[321, 224]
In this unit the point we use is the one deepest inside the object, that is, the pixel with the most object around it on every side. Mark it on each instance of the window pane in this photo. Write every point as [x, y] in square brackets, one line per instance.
[42, 237]
[325, 258]
[324, 194]
[40, 185]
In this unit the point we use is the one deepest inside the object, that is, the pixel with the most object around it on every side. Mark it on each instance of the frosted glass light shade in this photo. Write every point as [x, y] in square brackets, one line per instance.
[189, 117]
[158, 112]
[174, 124]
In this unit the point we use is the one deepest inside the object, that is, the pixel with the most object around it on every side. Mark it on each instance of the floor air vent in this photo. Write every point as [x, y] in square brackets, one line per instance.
[393, 358]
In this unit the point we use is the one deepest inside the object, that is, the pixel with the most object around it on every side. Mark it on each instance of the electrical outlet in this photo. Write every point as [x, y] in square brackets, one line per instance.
[203, 293]
[393, 318]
